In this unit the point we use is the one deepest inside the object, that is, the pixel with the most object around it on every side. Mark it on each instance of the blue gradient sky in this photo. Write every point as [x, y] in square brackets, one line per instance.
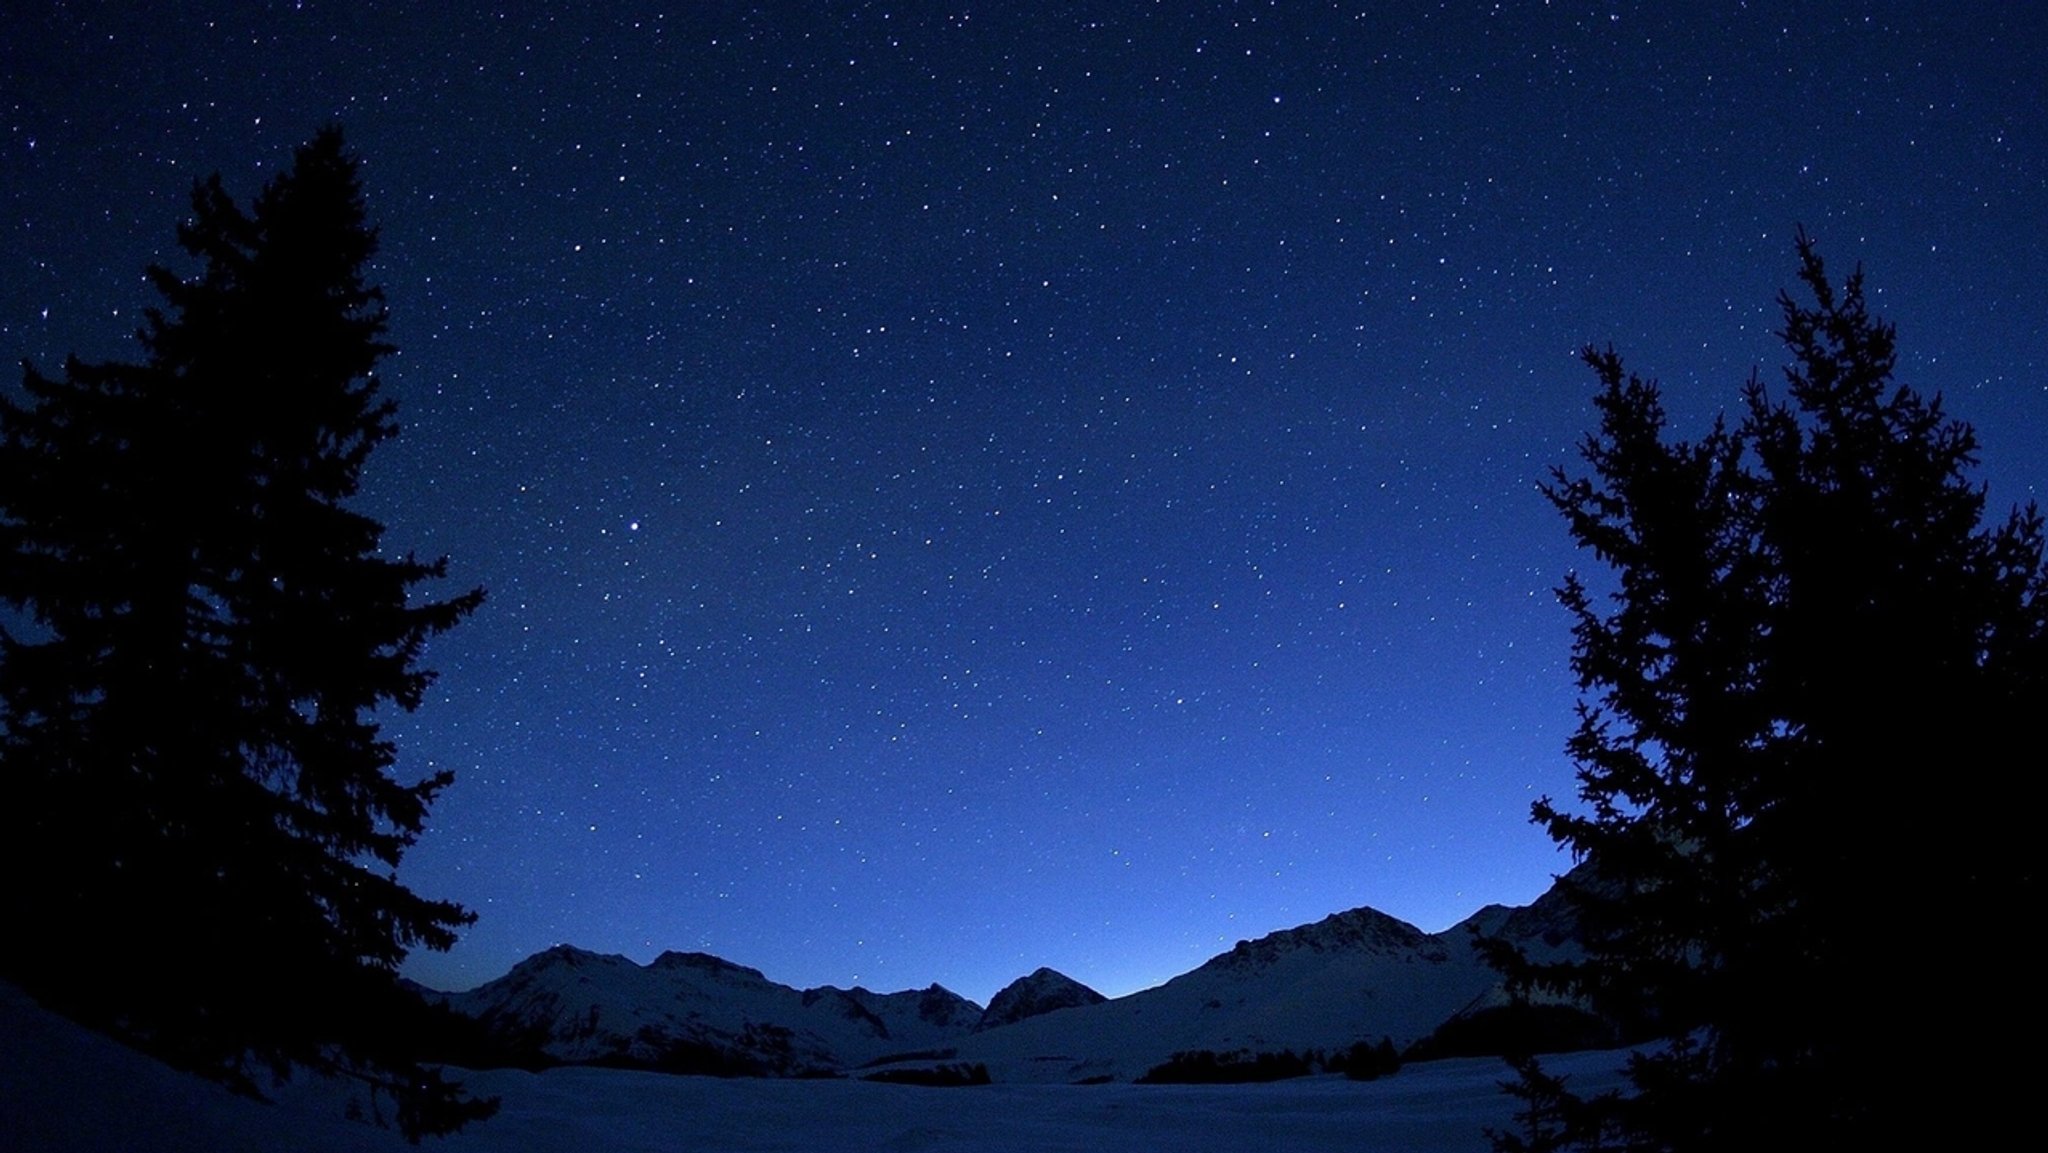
[965, 489]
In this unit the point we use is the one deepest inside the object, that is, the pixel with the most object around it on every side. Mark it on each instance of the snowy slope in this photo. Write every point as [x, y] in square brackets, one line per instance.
[65, 1089]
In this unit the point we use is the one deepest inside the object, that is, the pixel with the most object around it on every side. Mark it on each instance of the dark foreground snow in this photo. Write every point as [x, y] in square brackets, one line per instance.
[64, 1089]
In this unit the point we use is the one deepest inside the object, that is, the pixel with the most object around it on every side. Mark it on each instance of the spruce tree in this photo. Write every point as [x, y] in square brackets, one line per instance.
[1807, 757]
[205, 631]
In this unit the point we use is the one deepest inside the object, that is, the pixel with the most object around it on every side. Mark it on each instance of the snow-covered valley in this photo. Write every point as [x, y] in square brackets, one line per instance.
[1064, 1060]
[65, 1090]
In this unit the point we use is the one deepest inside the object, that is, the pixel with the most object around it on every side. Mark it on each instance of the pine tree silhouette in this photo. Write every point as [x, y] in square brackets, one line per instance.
[206, 631]
[1816, 665]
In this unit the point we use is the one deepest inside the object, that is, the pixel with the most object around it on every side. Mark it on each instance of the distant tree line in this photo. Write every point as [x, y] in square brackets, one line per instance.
[1363, 1061]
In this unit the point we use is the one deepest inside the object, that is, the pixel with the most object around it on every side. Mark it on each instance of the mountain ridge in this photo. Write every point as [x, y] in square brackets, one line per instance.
[1355, 975]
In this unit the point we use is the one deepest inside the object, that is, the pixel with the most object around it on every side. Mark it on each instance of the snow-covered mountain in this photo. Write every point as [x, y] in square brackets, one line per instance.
[1353, 976]
[1034, 996]
[691, 1012]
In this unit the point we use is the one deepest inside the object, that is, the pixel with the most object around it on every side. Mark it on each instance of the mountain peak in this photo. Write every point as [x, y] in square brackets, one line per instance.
[1362, 929]
[1042, 992]
[943, 1007]
[563, 956]
[704, 963]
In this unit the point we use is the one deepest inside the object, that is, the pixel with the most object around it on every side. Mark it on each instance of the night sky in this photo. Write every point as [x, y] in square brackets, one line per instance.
[966, 489]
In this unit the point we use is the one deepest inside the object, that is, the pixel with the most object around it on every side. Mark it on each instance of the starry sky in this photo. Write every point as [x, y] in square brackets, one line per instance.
[965, 488]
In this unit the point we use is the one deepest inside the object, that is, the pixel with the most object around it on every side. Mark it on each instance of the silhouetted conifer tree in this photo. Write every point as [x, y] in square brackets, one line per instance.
[204, 819]
[1553, 1118]
[1809, 758]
